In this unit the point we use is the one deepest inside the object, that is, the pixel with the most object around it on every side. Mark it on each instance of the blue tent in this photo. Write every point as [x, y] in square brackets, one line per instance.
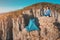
[32, 26]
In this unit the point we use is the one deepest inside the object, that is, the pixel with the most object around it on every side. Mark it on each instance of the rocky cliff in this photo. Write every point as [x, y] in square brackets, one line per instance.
[12, 23]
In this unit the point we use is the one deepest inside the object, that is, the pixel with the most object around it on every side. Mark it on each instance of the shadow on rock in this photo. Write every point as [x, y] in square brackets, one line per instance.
[57, 24]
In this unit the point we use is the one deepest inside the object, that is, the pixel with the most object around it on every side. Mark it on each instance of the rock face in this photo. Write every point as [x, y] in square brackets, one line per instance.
[12, 23]
[48, 30]
[9, 29]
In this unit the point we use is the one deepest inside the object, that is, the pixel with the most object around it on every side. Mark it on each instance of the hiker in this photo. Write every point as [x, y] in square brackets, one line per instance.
[31, 11]
[41, 11]
[47, 11]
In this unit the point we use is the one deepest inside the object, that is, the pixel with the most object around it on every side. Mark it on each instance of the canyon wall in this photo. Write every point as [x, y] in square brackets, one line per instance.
[12, 24]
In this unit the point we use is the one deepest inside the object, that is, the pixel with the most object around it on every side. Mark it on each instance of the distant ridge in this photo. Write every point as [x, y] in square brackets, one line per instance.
[37, 5]
[40, 4]
[44, 4]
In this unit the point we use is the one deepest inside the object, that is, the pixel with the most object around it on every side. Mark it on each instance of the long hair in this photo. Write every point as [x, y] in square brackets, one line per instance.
[32, 15]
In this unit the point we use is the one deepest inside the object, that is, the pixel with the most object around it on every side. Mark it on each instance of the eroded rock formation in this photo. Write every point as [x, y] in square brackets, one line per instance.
[48, 30]
[12, 24]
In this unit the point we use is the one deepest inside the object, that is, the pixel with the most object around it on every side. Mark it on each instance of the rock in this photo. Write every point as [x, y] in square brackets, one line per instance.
[48, 30]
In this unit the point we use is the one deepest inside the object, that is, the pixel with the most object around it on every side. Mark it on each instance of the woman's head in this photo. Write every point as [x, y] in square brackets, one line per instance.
[31, 12]
[48, 7]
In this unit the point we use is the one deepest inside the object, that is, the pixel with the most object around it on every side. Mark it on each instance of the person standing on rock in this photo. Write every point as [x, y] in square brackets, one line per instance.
[42, 11]
[47, 12]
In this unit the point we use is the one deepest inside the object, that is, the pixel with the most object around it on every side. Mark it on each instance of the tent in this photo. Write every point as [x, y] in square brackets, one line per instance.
[32, 26]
